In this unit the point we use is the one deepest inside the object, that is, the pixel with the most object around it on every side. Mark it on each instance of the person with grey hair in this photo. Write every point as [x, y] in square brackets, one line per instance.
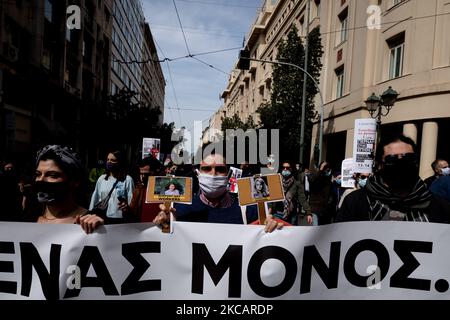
[58, 178]
[440, 168]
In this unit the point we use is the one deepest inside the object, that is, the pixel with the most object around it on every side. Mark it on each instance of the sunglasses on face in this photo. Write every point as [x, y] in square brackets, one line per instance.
[218, 169]
[288, 168]
[403, 157]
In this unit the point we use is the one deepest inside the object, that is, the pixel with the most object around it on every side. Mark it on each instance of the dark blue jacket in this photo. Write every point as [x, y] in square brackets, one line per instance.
[200, 212]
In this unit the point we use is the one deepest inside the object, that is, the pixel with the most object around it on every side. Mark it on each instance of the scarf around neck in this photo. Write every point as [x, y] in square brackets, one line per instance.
[385, 205]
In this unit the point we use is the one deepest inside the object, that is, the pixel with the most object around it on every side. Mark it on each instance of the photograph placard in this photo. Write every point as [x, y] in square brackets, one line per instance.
[169, 189]
[260, 188]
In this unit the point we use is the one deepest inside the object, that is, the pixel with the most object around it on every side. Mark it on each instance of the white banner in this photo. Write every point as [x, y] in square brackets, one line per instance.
[364, 145]
[357, 260]
[347, 174]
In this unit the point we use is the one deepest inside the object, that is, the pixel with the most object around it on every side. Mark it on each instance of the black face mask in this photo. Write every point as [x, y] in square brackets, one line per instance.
[401, 173]
[50, 192]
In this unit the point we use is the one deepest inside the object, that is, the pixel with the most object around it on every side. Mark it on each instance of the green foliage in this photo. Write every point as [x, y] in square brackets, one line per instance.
[283, 112]
[130, 121]
[236, 123]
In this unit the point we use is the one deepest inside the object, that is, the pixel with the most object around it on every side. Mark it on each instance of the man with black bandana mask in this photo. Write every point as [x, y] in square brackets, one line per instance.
[58, 177]
[395, 191]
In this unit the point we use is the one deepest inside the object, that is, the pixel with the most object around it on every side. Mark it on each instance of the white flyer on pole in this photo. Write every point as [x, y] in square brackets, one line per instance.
[347, 174]
[364, 145]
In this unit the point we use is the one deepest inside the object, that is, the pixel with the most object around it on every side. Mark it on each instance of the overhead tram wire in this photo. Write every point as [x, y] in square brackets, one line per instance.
[210, 65]
[165, 59]
[322, 33]
[181, 27]
[174, 92]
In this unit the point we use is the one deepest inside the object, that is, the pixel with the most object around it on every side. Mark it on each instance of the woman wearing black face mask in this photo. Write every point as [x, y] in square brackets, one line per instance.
[58, 178]
[115, 187]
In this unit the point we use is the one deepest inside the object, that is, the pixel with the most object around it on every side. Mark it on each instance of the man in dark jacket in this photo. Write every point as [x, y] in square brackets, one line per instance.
[321, 198]
[395, 191]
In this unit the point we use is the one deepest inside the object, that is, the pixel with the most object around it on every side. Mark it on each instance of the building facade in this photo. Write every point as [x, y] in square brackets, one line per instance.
[369, 45]
[409, 50]
[247, 90]
[133, 41]
[50, 74]
[153, 83]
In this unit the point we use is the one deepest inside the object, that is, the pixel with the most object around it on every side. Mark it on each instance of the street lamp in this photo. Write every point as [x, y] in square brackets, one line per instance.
[374, 105]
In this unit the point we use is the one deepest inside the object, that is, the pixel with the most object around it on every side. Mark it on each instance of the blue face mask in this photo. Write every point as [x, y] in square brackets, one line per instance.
[362, 182]
[338, 181]
[286, 173]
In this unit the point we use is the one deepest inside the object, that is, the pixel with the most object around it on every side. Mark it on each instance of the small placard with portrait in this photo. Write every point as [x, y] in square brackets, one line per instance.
[169, 189]
[260, 188]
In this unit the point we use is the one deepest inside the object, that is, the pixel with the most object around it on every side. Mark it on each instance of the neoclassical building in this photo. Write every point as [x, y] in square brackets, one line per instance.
[369, 45]
[409, 50]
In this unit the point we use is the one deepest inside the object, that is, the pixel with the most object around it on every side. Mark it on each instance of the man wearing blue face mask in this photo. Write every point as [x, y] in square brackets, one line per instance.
[213, 203]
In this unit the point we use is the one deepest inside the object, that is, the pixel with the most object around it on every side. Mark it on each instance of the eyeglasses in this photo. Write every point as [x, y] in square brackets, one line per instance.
[218, 169]
[288, 168]
[403, 157]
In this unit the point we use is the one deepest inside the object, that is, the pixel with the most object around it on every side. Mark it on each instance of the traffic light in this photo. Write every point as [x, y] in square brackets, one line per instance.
[244, 62]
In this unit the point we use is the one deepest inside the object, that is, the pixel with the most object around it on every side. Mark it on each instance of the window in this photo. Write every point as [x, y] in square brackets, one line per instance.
[343, 20]
[317, 2]
[48, 10]
[396, 54]
[339, 82]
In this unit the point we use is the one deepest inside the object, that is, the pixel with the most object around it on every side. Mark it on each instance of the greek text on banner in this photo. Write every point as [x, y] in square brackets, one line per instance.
[356, 260]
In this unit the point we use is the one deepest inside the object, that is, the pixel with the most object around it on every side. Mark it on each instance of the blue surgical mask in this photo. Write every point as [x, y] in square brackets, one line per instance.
[362, 182]
[338, 181]
[446, 171]
[286, 173]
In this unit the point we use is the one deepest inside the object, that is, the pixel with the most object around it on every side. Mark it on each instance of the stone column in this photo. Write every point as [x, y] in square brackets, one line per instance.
[410, 130]
[349, 143]
[428, 148]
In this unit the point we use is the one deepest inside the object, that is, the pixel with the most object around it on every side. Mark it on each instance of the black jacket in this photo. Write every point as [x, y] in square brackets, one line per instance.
[356, 208]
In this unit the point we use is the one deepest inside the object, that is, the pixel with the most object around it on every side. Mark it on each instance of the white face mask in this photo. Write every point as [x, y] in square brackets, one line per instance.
[446, 171]
[212, 186]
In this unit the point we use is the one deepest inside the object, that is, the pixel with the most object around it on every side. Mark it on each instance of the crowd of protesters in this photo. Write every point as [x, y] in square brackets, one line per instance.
[60, 190]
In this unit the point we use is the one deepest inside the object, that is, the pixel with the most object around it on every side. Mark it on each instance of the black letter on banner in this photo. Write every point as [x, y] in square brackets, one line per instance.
[7, 267]
[49, 280]
[254, 271]
[365, 245]
[132, 252]
[312, 258]
[91, 256]
[404, 249]
[232, 259]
